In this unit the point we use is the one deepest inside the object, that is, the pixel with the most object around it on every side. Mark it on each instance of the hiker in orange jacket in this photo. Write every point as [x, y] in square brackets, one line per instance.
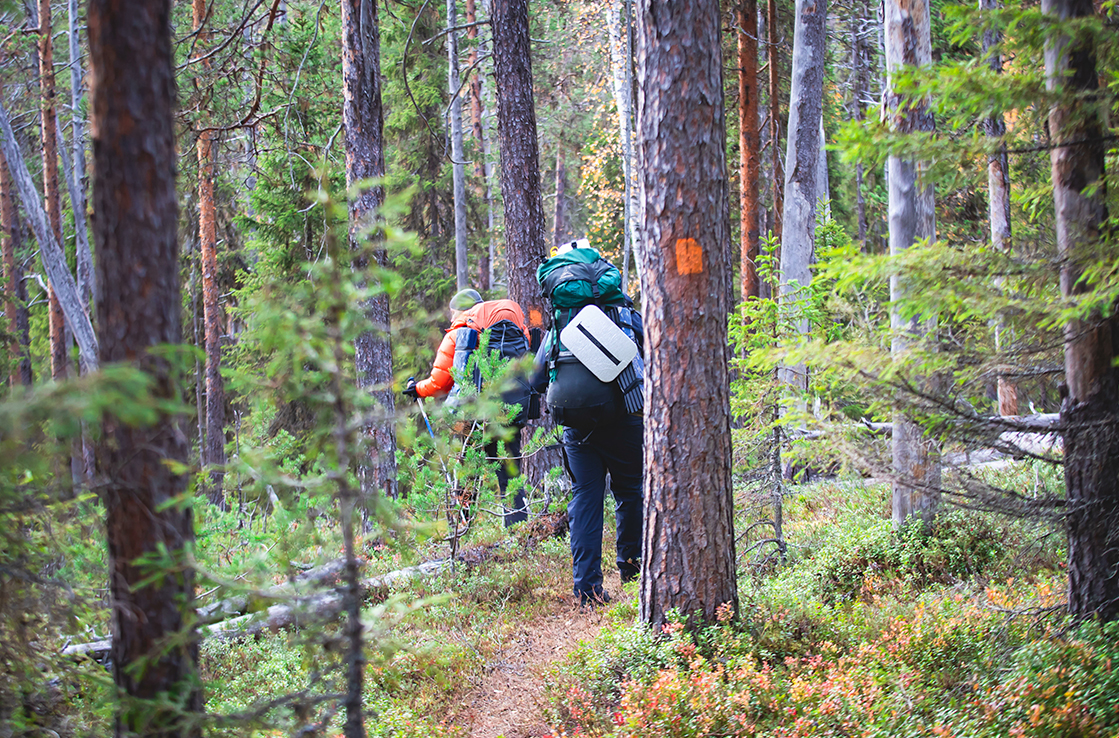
[470, 316]
[467, 311]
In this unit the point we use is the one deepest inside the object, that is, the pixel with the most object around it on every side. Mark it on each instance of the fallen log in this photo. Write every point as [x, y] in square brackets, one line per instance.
[296, 612]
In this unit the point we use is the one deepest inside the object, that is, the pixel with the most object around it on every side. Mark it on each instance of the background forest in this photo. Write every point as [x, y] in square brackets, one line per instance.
[904, 350]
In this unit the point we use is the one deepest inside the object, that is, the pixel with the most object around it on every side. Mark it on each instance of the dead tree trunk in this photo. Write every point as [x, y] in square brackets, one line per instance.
[458, 167]
[138, 309]
[749, 145]
[213, 452]
[798, 232]
[1090, 406]
[998, 202]
[363, 116]
[916, 468]
[520, 181]
[688, 552]
[776, 175]
[76, 182]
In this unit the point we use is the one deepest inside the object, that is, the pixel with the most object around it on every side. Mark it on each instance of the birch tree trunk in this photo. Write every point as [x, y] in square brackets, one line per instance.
[363, 118]
[802, 170]
[520, 183]
[916, 485]
[213, 452]
[621, 61]
[131, 62]
[998, 202]
[749, 145]
[688, 552]
[1090, 406]
[458, 170]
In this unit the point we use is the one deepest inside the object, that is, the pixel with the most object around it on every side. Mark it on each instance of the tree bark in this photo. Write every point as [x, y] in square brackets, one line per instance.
[798, 233]
[50, 253]
[363, 118]
[213, 451]
[458, 168]
[48, 122]
[11, 275]
[482, 169]
[749, 145]
[689, 560]
[520, 184]
[1090, 407]
[860, 69]
[916, 485]
[775, 118]
[998, 202]
[133, 87]
[86, 283]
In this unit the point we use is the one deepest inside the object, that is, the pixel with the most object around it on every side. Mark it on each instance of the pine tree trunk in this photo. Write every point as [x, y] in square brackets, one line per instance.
[138, 309]
[798, 232]
[48, 132]
[860, 67]
[688, 553]
[11, 277]
[458, 168]
[916, 485]
[213, 452]
[363, 117]
[520, 184]
[1090, 406]
[749, 144]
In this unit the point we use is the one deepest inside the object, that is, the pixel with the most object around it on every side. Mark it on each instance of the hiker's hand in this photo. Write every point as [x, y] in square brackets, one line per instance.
[410, 390]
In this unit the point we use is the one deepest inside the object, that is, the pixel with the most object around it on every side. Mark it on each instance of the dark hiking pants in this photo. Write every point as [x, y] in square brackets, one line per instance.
[508, 467]
[589, 456]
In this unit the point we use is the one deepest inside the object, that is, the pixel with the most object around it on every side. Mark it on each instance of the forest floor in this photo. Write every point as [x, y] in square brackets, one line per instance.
[509, 702]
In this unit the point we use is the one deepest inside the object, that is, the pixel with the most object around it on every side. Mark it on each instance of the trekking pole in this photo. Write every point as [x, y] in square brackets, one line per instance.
[451, 486]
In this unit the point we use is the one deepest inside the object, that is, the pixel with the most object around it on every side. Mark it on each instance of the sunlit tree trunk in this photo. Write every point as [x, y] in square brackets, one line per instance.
[520, 181]
[138, 310]
[213, 451]
[911, 218]
[458, 166]
[1090, 406]
[688, 552]
[798, 231]
[749, 145]
[363, 117]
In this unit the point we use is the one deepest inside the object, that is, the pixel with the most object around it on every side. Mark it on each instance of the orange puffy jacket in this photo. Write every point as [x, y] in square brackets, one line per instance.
[480, 317]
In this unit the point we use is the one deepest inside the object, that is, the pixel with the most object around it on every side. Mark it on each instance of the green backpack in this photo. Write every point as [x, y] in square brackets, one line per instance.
[576, 278]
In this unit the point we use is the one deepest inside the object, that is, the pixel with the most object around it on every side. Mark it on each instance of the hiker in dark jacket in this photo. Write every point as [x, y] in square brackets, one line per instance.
[606, 440]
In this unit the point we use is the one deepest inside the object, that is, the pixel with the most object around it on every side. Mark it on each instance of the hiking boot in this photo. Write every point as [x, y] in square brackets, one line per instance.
[594, 599]
[629, 574]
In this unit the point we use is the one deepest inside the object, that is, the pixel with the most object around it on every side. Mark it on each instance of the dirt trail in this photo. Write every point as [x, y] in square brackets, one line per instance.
[510, 700]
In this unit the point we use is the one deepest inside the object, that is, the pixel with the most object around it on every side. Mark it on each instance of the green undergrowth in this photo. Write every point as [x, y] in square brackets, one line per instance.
[957, 630]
